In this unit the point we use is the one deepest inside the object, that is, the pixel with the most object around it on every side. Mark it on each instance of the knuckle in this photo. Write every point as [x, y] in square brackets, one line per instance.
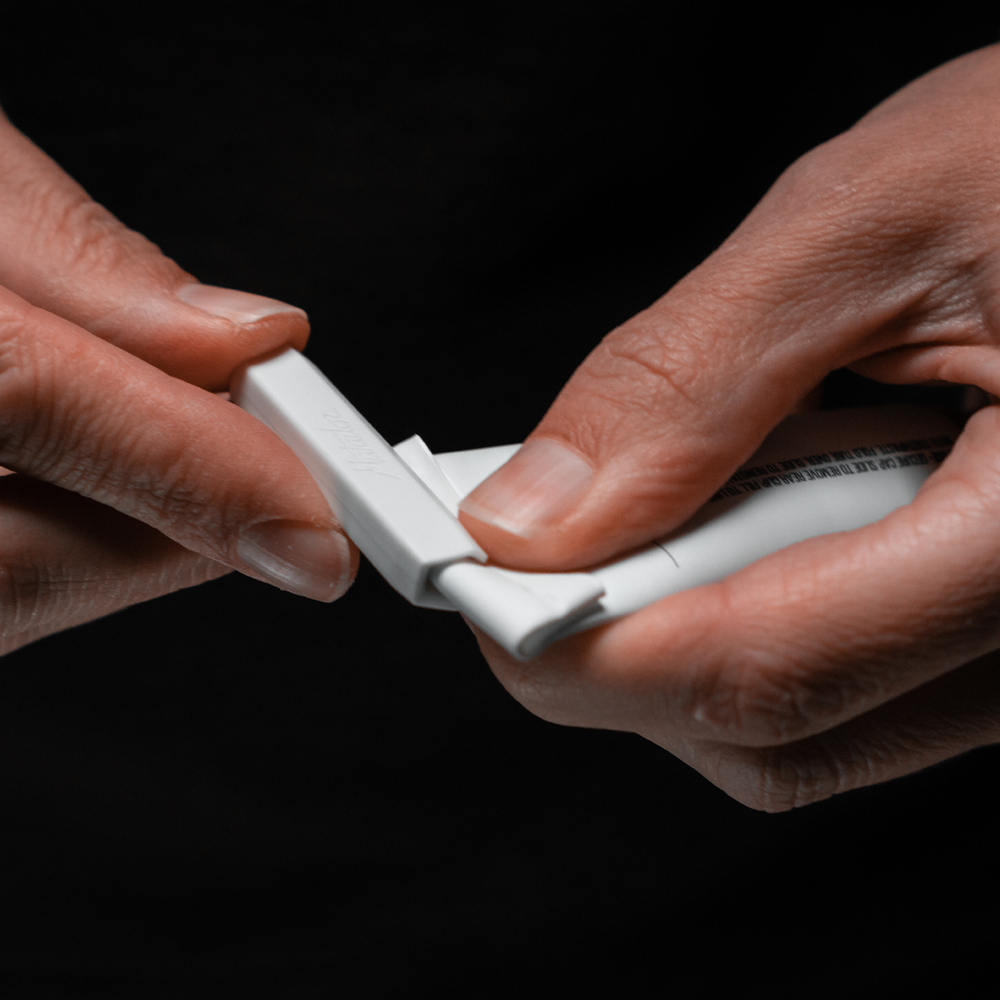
[24, 409]
[81, 233]
[63, 225]
[778, 683]
[25, 592]
[789, 781]
[530, 689]
[646, 379]
[780, 704]
[9, 597]
[98, 242]
[764, 700]
[749, 705]
[57, 426]
[544, 688]
[779, 779]
[651, 359]
[43, 416]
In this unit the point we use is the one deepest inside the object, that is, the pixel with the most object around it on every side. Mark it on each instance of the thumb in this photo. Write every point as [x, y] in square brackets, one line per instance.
[66, 254]
[648, 427]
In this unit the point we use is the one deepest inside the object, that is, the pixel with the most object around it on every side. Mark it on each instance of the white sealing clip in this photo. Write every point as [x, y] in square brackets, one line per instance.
[815, 474]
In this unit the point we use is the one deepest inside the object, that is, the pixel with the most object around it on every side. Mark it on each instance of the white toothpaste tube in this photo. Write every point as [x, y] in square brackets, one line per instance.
[816, 473]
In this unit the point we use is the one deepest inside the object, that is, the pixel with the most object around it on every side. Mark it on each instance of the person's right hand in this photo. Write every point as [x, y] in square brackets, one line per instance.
[133, 476]
[850, 658]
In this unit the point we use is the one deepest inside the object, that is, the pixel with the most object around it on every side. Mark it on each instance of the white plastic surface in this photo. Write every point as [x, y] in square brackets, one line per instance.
[816, 473]
[418, 457]
[517, 609]
[394, 519]
[741, 533]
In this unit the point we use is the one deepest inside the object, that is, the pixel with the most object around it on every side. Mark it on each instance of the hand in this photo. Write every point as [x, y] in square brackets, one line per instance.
[841, 661]
[135, 477]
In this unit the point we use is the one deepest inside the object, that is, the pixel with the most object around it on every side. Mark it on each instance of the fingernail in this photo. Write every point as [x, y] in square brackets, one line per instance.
[312, 562]
[240, 307]
[533, 491]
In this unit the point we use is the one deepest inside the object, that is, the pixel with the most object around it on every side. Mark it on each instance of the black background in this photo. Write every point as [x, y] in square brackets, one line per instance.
[235, 792]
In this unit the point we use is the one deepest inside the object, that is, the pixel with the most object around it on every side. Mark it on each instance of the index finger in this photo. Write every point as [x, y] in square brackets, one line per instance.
[66, 254]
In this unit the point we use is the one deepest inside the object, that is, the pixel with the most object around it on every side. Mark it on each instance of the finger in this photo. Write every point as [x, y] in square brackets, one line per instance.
[66, 254]
[78, 412]
[946, 717]
[805, 639]
[941, 719]
[65, 560]
[882, 239]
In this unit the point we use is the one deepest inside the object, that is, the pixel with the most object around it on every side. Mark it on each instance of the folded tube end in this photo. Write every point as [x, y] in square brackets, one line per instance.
[521, 611]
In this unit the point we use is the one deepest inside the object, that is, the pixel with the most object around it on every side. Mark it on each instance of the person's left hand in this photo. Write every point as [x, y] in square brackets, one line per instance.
[134, 477]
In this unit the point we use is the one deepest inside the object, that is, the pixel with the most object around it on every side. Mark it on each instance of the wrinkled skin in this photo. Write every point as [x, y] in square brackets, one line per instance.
[844, 660]
[111, 358]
